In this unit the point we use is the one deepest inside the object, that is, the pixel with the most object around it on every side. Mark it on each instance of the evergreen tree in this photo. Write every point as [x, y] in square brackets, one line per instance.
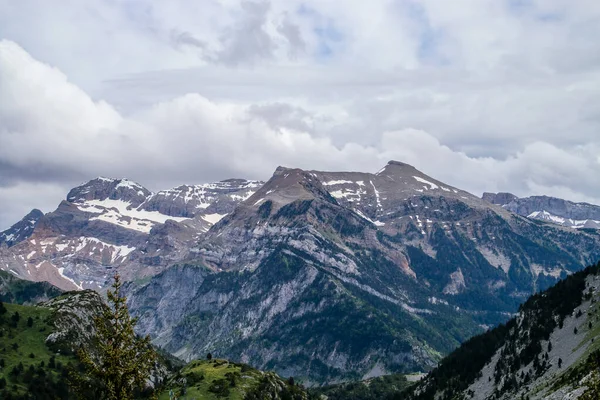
[121, 362]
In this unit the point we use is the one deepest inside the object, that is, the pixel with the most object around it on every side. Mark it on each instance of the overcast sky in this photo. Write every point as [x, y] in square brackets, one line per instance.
[486, 95]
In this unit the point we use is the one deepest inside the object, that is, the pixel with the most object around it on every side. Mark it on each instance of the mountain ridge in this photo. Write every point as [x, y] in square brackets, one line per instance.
[294, 274]
[407, 250]
[549, 209]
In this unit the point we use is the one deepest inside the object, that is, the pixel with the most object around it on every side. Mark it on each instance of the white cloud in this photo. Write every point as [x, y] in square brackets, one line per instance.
[486, 95]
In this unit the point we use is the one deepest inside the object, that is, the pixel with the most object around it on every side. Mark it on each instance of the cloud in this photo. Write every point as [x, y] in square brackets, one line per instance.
[17, 200]
[182, 92]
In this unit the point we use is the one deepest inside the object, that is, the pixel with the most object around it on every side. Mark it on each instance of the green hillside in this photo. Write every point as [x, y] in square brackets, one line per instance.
[28, 368]
[381, 388]
[221, 379]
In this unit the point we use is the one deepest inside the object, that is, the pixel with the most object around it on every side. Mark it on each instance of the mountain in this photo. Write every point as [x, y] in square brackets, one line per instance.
[21, 230]
[549, 209]
[324, 276]
[337, 276]
[549, 350]
[108, 224]
[19, 291]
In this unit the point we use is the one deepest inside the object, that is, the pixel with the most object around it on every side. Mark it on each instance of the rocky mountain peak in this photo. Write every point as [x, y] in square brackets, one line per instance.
[288, 185]
[108, 188]
[396, 167]
[500, 198]
[22, 229]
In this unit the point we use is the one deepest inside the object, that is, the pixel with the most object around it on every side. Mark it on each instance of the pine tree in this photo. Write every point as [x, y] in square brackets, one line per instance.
[121, 362]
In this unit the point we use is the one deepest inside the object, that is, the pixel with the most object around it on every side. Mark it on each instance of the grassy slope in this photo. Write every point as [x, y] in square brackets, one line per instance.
[212, 380]
[30, 340]
[201, 374]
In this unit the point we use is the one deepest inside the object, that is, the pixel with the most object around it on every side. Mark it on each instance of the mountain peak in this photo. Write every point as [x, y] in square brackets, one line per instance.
[103, 188]
[22, 229]
[394, 167]
[281, 170]
[288, 185]
[399, 163]
[500, 198]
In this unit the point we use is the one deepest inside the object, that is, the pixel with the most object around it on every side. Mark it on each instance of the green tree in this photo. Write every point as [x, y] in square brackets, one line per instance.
[120, 362]
[15, 317]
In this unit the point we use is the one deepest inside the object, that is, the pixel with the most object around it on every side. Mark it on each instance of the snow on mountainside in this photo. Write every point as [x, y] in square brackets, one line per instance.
[116, 223]
[549, 209]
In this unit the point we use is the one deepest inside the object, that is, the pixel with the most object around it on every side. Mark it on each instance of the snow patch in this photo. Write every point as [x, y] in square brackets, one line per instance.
[431, 184]
[340, 182]
[213, 218]
[61, 270]
[61, 247]
[377, 223]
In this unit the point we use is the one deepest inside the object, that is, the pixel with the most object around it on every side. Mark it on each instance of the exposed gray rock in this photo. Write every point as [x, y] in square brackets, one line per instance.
[499, 198]
[107, 188]
[73, 316]
[21, 230]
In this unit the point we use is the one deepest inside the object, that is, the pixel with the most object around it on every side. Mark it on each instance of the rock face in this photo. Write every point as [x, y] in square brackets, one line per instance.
[21, 230]
[115, 224]
[549, 209]
[331, 276]
[499, 198]
[73, 315]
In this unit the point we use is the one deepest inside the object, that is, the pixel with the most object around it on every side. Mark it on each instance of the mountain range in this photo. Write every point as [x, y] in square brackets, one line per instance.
[549, 209]
[324, 276]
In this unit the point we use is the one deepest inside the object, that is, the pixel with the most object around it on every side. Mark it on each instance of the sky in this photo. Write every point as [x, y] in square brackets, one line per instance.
[485, 95]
